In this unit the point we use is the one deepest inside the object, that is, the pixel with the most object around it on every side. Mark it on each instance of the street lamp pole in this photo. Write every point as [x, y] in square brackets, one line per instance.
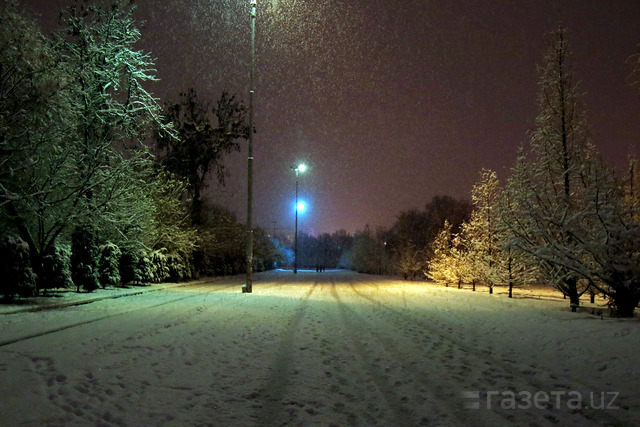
[295, 253]
[248, 287]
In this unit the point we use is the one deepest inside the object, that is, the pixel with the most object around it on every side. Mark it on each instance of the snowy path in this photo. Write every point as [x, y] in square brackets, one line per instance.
[334, 348]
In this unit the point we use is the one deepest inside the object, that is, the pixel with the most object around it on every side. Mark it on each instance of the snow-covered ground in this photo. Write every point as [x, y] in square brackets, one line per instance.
[332, 348]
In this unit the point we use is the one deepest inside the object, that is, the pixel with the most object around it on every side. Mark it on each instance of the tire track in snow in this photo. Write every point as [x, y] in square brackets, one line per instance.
[69, 391]
[442, 359]
[275, 389]
[356, 327]
[501, 374]
[101, 318]
[422, 378]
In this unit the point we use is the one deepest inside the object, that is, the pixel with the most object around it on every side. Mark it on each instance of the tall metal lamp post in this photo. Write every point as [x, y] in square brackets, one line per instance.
[299, 169]
[248, 286]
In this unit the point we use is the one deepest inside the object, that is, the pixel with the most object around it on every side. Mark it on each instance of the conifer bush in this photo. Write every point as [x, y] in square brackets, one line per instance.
[17, 275]
[84, 255]
[108, 268]
[159, 265]
[178, 267]
[145, 269]
[56, 268]
[128, 267]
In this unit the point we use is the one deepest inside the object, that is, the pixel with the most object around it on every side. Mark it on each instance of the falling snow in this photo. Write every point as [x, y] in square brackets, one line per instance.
[390, 103]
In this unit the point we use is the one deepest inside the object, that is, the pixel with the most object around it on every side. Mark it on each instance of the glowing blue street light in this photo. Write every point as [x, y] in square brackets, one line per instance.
[299, 207]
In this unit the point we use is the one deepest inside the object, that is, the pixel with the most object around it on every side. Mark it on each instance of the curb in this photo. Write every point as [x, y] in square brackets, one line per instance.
[90, 299]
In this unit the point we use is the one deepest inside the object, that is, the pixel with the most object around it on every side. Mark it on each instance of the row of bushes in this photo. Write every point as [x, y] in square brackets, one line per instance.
[85, 266]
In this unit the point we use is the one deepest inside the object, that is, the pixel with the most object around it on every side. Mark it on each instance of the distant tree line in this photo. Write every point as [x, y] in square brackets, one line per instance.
[380, 250]
[99, 184]
[326, 251]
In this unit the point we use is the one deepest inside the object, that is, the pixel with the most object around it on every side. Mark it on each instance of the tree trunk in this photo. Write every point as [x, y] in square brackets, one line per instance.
[572, 293]
[196, 209]
[510, 279]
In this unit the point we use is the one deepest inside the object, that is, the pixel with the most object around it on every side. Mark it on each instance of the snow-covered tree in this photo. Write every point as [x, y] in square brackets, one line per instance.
[180, 266]
[438, 265]
[114, 111]
[604, 248]
[76, 114]
[546, 186]
[448, 263]
[480, 234]
[160, 265]
[411, 237]
[608, 241]
[146, 269]
[108, 265]
[56, 268]
[484, 238]
[35, 112]
[409, 261]
[563, 205]
[171, 222]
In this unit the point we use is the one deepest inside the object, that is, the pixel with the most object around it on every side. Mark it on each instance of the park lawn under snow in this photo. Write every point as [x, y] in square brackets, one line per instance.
[332, 348]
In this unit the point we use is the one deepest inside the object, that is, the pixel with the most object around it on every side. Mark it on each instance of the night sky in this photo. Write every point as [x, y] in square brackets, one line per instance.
[389, 103]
